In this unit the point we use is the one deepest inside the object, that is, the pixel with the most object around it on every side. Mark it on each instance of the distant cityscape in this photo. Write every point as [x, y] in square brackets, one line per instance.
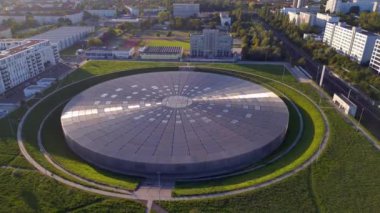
[70, 32]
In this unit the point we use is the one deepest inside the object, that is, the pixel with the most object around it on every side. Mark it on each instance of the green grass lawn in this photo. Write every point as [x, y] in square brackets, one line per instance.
[169, 43]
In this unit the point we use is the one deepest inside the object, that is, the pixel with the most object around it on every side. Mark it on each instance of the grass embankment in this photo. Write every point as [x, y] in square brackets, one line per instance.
[343, 179]
[308, 145]
[55, 145]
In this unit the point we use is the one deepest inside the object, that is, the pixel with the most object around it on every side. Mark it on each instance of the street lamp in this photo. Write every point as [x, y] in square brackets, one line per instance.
[361, 115]
[349, 93]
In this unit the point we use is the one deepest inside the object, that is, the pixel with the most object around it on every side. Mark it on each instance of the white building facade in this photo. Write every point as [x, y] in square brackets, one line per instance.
[323, 18]
[103, 13]
[338, 6]
[211, 44]
[24, 60]
[375, 58]
[351, 41]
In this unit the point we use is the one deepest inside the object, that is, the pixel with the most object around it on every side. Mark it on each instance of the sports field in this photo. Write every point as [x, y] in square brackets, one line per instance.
[167, 42]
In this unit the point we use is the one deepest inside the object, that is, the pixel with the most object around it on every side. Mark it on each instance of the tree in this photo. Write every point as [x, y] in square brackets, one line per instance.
[178, 23]
[195, 24]
[64, 21]
[370, 21]
[163, 16]
[94, 42]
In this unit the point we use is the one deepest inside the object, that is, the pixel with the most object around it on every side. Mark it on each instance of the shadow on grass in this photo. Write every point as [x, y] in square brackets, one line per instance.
[30, 199]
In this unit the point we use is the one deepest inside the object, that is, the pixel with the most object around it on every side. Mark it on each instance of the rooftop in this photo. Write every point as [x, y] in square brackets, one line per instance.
[24, 46]
[358, 29]
[183, 4]
[2, 28]
[162, 50]
[107, 49]
[61, 33]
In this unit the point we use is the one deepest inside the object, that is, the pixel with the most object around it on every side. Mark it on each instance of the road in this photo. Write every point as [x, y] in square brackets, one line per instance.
[368, 114]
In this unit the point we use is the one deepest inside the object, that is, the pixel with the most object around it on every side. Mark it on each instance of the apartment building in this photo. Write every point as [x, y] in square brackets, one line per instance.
[323, 18]
[351, 41]
[21, 60]
[110, 13]
[211, 44]
[299, 3]
[339, 6]
[375, 58]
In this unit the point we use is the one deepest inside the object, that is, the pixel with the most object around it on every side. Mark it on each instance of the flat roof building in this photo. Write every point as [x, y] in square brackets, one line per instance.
[110, 13]
[33, 90]
[65, 37]
[211, 44]
[5, 32]
[75, 17]
[375, 58]
[161, 53]
[108, 53]
[323, 18]
[21, 60]
[185, 10]
[351, 41]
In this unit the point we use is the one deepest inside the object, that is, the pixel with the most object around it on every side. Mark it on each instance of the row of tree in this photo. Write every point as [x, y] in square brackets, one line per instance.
[362, 76]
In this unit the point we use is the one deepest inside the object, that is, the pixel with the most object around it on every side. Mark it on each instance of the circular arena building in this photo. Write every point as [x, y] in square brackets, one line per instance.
[180, 124]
